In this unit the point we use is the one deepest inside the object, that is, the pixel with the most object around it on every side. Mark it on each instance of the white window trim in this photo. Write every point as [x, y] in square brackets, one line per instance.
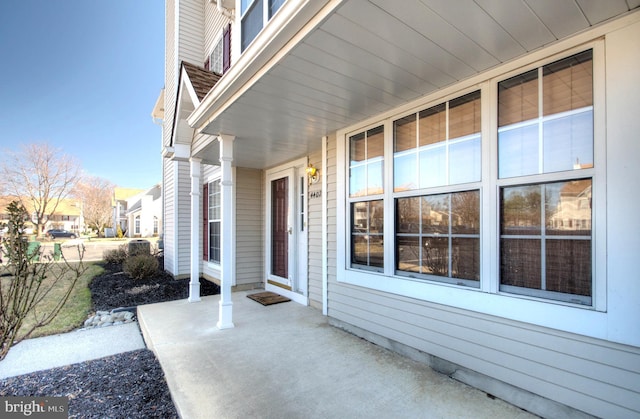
[586, 320]
[218, 42]
[216, 264]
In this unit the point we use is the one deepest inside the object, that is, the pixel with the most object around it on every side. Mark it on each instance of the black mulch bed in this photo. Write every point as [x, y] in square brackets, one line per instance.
[128, 385]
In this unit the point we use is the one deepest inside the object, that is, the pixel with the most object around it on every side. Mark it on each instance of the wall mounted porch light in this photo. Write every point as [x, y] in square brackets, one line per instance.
[312, 174]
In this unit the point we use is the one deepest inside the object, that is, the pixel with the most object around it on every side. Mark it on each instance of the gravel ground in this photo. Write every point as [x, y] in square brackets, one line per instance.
[129, 385]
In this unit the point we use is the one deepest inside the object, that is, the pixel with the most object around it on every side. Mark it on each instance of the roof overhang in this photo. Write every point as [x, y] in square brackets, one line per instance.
[320, 66]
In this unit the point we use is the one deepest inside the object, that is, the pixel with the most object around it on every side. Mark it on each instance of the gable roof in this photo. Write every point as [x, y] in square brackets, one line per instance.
[201, 80]
[193, 80]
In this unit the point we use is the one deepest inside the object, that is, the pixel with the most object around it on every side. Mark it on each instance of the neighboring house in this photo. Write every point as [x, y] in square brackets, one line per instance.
[67, 214]
[144, 214]
[452, 144]
[120, 204]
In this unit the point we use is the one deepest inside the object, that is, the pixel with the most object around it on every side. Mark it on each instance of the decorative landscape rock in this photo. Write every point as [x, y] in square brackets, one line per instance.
[110, 318]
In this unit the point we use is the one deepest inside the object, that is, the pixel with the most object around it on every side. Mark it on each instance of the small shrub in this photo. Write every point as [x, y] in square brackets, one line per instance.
[117, 255]
[119, 232]
[140, 266]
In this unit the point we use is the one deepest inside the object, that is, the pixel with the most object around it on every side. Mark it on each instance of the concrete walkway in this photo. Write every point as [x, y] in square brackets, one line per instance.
[70, 348]
[285, 361]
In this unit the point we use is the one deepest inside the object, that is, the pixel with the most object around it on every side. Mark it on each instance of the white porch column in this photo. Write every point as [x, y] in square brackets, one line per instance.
[196, 217]
[225, 319]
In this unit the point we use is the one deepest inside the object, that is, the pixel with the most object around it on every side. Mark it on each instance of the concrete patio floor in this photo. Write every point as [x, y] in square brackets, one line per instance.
[286, 361]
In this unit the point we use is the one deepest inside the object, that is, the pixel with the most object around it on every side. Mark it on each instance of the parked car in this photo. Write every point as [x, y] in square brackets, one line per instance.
[54, 234]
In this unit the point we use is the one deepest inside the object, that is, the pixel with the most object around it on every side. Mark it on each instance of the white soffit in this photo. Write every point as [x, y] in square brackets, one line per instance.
[369, 56]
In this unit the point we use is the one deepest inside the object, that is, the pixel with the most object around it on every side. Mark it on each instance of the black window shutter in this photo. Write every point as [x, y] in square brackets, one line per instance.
[205, 222]
[226, 48]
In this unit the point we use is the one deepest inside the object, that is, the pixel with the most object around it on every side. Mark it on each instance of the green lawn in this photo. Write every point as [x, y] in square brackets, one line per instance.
[75, 310]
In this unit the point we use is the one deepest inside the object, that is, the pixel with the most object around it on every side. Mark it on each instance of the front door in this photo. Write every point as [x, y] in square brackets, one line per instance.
[286, 255]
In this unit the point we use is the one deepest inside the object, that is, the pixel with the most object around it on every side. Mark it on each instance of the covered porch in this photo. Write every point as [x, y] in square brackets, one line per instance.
[286, 360]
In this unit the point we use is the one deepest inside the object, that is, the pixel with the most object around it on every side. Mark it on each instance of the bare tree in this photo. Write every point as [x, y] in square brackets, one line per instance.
[39, 176]
[95, 194]
[28, 278]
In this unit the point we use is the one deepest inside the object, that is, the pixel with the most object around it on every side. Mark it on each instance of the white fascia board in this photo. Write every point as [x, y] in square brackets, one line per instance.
[186, 83]
[294, 21]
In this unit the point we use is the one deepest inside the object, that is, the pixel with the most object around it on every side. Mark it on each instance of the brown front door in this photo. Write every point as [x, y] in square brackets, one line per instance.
[280, 227]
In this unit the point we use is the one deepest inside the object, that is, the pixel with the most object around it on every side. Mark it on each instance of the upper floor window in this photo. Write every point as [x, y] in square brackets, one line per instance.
[255, 15]
[220, 59]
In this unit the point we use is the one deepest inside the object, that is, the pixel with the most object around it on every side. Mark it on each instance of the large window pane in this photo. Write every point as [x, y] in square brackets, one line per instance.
[465, 161]
[433, 167]
[405, 170]
[366, 164]
[439, 235]
[274, 6]
[404, 133]
[251, 23]
[518, 99]
[518, 151]
[521, 210]
[568, 268]
[465, 213]
[435, 214]
[435, 256]
[568, 142]
[567, 83]
[545, 246]
[551, 132]
[520, 261]
[367, 228]
[465, 258]
[568, 208]
[447, 142]
[408, 215]
[464, 115]
[433, 125]
[408, 254]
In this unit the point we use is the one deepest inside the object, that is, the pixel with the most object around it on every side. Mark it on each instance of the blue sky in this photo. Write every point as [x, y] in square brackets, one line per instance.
[83, 75]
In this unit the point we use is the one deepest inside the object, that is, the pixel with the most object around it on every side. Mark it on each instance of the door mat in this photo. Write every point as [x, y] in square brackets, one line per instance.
[267, 298]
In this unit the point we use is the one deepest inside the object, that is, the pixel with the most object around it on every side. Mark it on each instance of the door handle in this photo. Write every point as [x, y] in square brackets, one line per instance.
[290, 230]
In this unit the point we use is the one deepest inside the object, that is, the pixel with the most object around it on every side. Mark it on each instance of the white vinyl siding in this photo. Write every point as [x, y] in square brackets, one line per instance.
[169, 225]
[183, 218]
[581, 357]
[249, 226]
[604, 377]
[191, 28]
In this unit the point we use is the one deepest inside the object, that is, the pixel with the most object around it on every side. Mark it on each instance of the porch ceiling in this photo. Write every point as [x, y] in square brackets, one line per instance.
[369, 56]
